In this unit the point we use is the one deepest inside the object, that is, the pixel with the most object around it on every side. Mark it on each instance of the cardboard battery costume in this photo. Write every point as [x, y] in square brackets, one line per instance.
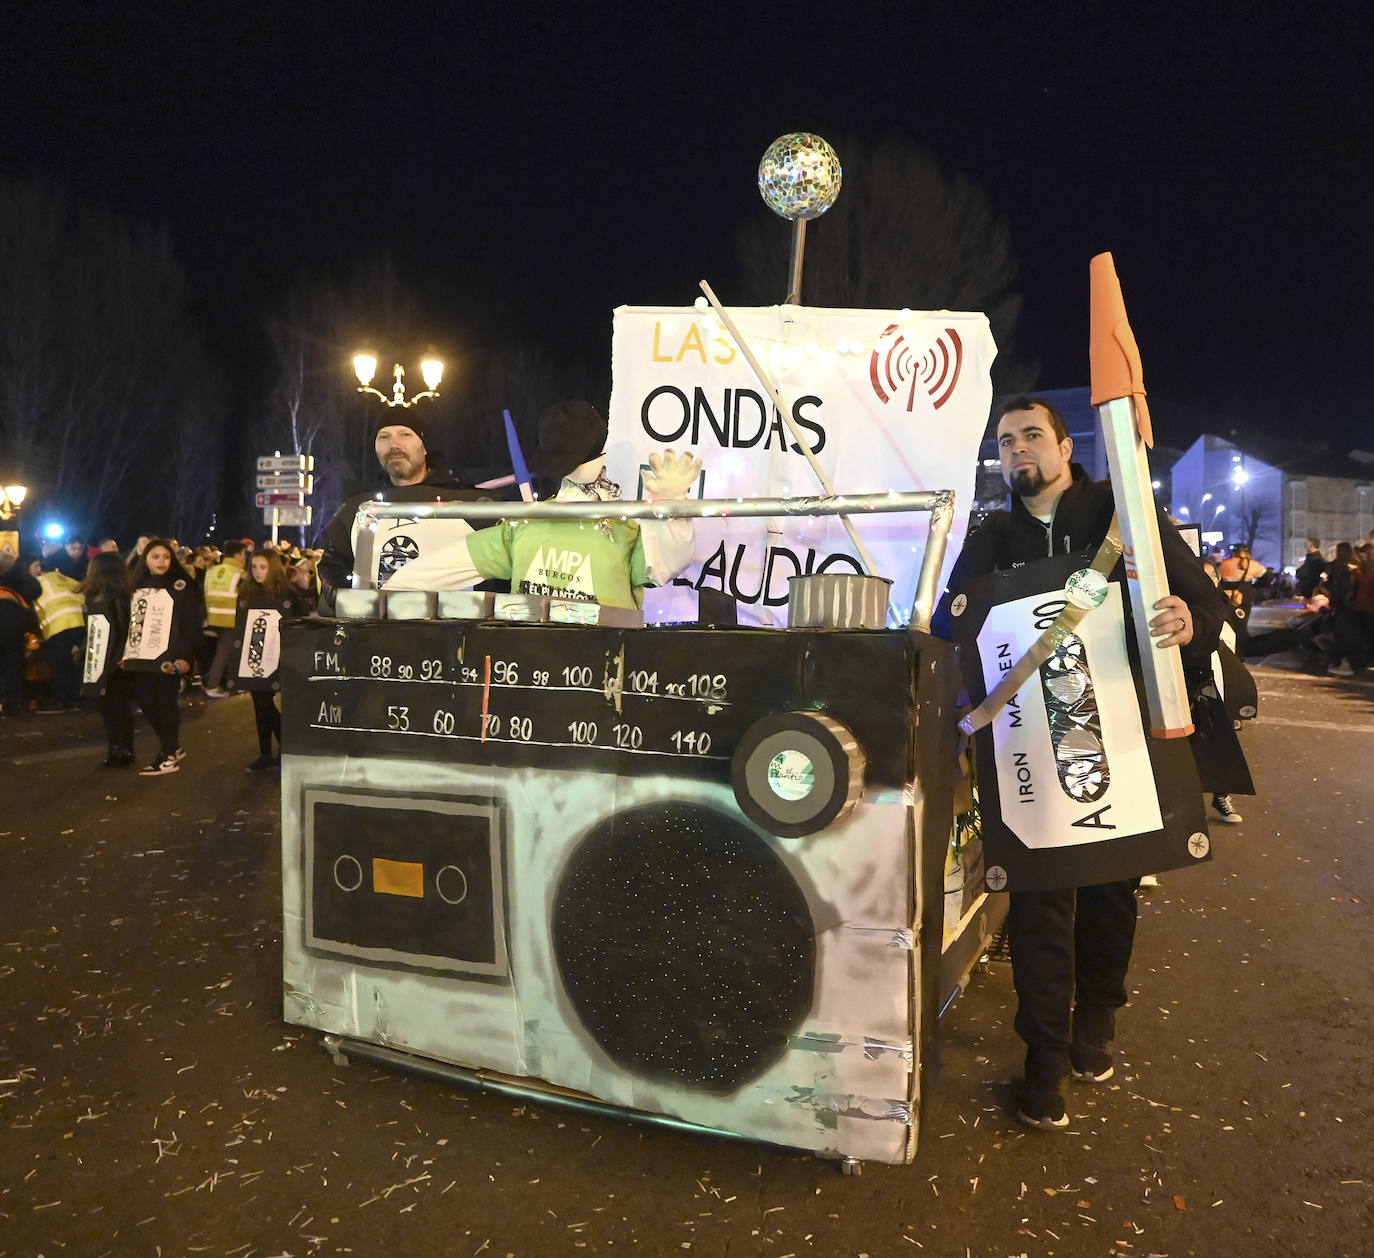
[606, 561]
[107, 627]
[1071, 947]
[1223, 695]
[164, 622]
[257, 659]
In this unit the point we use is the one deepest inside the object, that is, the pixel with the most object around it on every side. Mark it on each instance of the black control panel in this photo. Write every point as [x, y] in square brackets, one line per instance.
[672, 700]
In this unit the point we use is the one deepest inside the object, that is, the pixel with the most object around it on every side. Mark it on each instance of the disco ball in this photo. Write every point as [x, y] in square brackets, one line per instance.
[799, 176]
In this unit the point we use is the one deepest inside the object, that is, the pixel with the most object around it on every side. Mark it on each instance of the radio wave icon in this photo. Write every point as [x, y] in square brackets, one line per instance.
[894, 366]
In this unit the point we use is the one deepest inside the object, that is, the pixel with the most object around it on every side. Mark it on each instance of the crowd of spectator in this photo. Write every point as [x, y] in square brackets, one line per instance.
[47, 597]
[1333, 604]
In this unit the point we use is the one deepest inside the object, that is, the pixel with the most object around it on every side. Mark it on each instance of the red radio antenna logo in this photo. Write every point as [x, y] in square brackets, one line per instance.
[894, 367]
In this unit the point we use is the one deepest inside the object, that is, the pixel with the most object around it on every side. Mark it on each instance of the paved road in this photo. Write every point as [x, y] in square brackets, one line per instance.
[154, 1102]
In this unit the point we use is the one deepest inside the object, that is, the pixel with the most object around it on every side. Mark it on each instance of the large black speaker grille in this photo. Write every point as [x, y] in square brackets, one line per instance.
[685, 945]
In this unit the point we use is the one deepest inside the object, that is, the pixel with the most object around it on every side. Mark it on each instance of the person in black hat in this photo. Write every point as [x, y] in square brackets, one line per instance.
[571, 434]
[416, 474]
[606, 561]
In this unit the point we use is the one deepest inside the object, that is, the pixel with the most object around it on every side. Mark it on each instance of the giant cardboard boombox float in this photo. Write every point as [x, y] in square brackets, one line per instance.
[690, 873]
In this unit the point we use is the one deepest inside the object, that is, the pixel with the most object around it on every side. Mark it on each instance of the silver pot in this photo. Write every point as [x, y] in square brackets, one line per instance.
[837, 600]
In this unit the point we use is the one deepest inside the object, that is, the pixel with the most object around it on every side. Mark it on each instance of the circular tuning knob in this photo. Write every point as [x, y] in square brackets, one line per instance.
[797, 772]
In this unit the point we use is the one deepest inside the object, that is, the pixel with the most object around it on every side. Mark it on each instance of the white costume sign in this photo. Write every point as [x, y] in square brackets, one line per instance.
[1059, 789]
[150, 625]
[261, 654]
[886, 401]
[98, 633]
[397, 542]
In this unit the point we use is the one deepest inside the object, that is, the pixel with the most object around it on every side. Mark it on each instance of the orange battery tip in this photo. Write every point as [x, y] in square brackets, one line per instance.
[1113, 356]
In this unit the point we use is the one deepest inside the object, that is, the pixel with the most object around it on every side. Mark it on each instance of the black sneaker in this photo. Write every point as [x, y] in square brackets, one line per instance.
[263, 763]
[178, 755]
[1091, 1065]
[160, 766]
[1226, 810]
[1043, 1109]
[1089, 1075]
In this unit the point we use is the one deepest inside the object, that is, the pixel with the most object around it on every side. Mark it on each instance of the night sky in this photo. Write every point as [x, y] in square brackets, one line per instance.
[530, 169]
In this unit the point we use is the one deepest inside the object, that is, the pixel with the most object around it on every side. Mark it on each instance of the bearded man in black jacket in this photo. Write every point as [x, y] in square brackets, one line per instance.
[1070, 949]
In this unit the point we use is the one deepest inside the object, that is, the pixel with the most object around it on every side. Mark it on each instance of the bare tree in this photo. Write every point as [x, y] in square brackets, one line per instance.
[315, 407]
[903, 234]
[1260, 518]
[102, 368]
[524, 379]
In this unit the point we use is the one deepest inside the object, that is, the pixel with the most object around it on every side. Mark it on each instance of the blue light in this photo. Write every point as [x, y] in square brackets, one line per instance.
[53, 532]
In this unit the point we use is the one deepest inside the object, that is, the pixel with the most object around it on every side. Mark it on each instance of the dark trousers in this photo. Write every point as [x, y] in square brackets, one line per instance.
[12, 675]
[206, 645]
[1069, 954]
[268, 720]
[117, 710]
[64, 652]
[157, 696]
[222, 663]
[1349, 633]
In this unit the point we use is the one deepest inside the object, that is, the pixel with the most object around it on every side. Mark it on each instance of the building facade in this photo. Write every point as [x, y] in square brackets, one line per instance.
[1272, 497]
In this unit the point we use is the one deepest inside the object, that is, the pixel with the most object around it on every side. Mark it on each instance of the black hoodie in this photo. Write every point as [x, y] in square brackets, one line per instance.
[1008, 539]
[185, 616]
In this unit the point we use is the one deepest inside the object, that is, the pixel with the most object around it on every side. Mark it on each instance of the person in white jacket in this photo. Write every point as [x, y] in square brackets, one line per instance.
[607, 561]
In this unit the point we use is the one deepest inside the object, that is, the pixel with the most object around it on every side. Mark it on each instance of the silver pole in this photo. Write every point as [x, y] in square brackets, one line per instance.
[927, 584]
[798, 250]
[785, 413]
[675, 509]
[938, 502]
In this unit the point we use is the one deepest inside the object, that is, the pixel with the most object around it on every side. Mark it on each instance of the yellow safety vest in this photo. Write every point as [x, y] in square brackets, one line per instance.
[59, 606]
[221, 594]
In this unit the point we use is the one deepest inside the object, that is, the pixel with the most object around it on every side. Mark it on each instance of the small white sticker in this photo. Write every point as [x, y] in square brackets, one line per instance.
[956, 607]
[1086, 588]
[791, 775]
[1199, 845]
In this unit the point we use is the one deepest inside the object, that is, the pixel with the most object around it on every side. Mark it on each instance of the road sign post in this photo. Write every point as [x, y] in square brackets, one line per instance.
[284, 482]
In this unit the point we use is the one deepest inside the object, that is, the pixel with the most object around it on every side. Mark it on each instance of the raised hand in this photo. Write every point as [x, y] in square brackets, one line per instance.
[670, 475]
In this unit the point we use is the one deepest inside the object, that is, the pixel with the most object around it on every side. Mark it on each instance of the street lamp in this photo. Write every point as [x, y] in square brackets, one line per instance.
[10, 498]
[365, 367]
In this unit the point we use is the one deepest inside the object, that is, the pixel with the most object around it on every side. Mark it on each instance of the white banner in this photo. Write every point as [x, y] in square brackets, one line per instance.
[150, 625]
[261, 654]
[886, 400]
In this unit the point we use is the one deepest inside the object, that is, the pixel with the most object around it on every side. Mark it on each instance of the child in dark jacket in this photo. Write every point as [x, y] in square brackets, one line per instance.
[265, 597]
[106, 591]
[164, 621]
